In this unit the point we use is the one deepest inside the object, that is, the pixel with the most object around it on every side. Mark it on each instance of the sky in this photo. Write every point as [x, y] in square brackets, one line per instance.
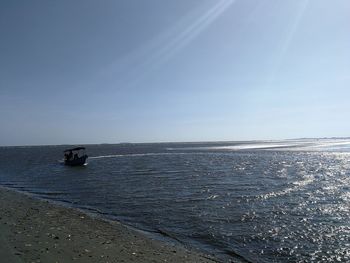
[76, 72]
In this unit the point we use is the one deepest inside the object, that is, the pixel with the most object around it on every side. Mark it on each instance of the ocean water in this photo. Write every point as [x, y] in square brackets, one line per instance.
[258, 201]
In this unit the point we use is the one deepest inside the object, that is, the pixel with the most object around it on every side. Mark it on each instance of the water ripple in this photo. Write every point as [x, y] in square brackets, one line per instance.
[261, 204]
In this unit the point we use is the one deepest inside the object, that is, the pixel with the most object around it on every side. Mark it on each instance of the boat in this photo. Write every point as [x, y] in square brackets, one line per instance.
[75, 156]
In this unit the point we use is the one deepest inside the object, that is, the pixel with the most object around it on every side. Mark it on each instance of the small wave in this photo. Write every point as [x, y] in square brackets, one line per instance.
[46, 193]
[296, 186]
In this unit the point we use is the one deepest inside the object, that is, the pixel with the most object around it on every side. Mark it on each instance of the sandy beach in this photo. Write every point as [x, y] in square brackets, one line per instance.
[34, 230]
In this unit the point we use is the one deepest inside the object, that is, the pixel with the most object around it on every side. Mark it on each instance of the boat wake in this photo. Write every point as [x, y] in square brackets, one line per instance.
[134, 155]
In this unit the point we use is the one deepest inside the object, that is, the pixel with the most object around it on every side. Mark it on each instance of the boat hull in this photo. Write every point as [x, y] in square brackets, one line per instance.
[77, 162]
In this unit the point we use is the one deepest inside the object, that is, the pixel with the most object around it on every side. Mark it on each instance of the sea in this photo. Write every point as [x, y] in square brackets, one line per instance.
[252, 201]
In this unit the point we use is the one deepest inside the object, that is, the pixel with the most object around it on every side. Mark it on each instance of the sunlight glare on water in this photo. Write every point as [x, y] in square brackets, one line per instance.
[261, 204]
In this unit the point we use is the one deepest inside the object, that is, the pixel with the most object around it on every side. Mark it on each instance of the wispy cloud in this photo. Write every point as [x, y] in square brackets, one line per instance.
[134, 66]
[285, 44]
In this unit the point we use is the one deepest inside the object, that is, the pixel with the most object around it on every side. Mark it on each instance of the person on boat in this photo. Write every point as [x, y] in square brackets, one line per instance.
[70, 155]
[76, 156]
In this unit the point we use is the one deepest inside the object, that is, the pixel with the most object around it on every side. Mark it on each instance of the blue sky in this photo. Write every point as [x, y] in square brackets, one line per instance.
[85, 71]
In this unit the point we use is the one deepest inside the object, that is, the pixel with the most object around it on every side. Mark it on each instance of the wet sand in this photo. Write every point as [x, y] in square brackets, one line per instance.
[34, 230]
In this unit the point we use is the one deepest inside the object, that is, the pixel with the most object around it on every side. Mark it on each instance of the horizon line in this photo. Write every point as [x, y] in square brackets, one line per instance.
[172, 142]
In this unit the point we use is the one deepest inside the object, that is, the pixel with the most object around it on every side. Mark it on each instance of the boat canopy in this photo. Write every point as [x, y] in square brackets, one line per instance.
[74, 149]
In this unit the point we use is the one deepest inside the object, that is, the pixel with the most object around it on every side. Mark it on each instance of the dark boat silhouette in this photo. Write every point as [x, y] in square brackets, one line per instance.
[75, 156]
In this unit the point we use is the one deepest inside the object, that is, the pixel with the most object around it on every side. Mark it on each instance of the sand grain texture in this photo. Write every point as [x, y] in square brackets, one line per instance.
[34, 230]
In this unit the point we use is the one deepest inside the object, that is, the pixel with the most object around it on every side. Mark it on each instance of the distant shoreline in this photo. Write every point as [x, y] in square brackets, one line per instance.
[179, 142]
